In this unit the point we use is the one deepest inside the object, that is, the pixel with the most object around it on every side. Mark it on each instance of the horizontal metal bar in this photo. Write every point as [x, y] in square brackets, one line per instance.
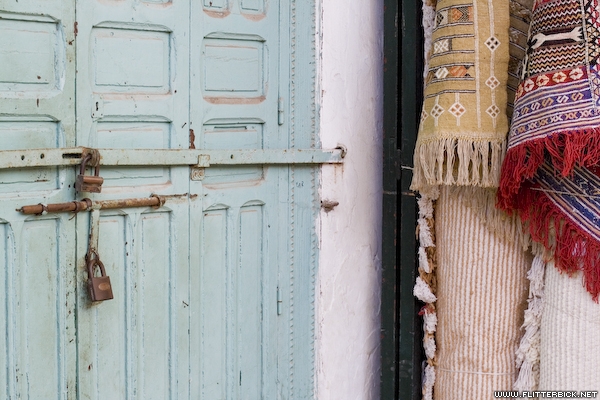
[284, 156]
[87, 205]
[169, 157]
[40, 157]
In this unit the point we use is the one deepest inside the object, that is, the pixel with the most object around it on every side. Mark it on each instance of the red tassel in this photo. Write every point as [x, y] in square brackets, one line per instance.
[574, 250]
[566, 150]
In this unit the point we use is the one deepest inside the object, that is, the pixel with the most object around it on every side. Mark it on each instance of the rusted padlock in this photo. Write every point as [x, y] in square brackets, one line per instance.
[88, 183]
[98, 286]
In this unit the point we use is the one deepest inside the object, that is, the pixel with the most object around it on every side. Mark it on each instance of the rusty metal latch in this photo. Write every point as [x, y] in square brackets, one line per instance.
[99, 287]
[89, 183]
[154, 201]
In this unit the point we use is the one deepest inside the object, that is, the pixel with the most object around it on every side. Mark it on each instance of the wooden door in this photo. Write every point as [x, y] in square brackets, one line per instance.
[236, 223]
[37, 254]
[214, 291]
[132, 93]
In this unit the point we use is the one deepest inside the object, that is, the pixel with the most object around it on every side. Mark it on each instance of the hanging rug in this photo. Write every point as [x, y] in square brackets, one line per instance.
[550, 175]
[463, 125]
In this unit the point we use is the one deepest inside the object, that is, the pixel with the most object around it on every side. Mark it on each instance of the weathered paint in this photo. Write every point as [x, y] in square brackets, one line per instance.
[349, 262]
[213, 294]
[133, 93]
[37, 302]
[234, 87]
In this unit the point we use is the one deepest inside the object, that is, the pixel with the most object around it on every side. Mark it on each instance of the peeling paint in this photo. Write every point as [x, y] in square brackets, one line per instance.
[217, 14]
[329, 205]
[254, 17]
[235, 100]
[192, 139]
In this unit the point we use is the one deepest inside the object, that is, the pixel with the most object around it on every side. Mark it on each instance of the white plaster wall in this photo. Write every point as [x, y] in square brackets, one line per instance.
[349, 289]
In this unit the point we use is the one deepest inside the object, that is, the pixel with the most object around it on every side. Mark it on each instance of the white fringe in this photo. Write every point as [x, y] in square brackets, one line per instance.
[429, 322]
[428, 381]
[425, 238]
[423, 261]
[528, 353]
[425, 201]
[423, 292]
[429, 345]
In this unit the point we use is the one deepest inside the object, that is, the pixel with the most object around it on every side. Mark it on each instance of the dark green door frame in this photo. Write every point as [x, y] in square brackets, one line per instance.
[401, 331]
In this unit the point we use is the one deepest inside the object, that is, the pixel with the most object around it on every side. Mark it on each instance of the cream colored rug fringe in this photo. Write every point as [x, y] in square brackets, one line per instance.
[570, 348]
[425, 286]
[528, 353]
[481, 295]
[474, 163]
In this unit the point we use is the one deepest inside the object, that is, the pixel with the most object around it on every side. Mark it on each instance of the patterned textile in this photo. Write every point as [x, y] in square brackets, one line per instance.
[520, 18]
[462, 135]
[549, 175]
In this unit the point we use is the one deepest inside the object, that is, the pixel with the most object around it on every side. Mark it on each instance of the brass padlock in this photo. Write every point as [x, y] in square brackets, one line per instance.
[88, 183]
[98, 286]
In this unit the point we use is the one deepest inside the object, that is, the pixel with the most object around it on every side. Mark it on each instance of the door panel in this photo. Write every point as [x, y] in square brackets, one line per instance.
[103, 343]
[212, 285]
[37, 262]
[133, 92]
[16, 135]
[39, 331]
[232, 334]
[37, 257]
[155, 309]
[251, 295]
[233, 105]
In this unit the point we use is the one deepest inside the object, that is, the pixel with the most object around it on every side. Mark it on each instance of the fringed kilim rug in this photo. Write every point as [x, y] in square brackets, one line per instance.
[462, 135]
[550, 175]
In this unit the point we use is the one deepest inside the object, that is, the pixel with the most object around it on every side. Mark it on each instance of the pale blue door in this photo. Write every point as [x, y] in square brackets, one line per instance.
[37, 254]
[214, 291]
[237, 220]
[132, 93]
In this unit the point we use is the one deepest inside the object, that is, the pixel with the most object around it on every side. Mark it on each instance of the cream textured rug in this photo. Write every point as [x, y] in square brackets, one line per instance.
[570, 349]
[481, 296]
